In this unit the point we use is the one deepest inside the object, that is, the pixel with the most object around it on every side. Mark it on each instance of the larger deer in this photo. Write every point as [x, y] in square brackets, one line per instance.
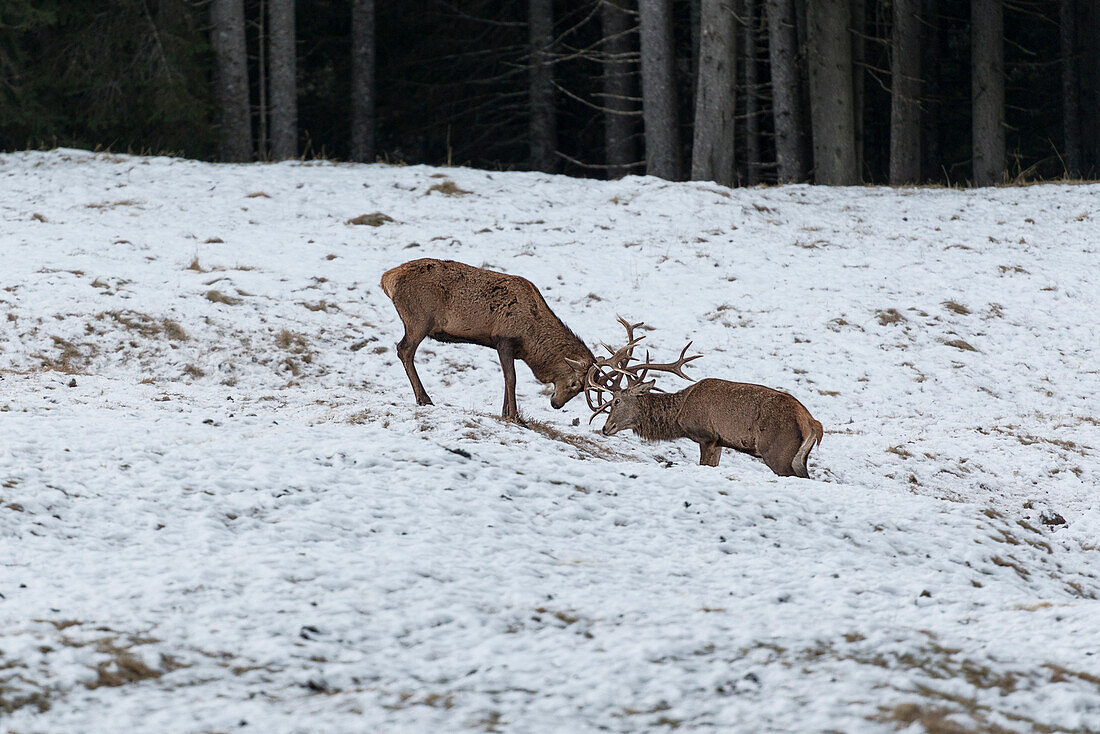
[716, 414]
[452, 302]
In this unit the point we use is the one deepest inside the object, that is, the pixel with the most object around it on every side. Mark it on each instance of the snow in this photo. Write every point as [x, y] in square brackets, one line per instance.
[220, 508]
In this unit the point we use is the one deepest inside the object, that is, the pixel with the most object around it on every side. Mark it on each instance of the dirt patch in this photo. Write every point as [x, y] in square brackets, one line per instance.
[586, 446]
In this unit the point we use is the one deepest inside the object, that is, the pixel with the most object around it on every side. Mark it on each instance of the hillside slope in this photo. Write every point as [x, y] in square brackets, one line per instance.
[220, 508]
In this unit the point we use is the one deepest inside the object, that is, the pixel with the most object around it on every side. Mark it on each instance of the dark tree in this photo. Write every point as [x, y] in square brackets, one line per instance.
[712, 152]
[786, 91]
[362, 80]
[988, 90]
[832, 109]
[659, 97]
[617, 27]
[543, 125]
[1071, 102]
[282, 63]
[227, 38]
[752, 94]
[905, 94]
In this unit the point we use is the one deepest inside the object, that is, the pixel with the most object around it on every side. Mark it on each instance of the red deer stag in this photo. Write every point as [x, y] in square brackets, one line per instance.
[452, 302]
[753, 419]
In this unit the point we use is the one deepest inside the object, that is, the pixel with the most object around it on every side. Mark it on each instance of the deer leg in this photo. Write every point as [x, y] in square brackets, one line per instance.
[778, 446]
[709, 453]
[406, 351]
[506, 352]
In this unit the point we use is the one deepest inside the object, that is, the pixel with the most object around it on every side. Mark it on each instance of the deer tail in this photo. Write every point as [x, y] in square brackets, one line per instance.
[812, 432]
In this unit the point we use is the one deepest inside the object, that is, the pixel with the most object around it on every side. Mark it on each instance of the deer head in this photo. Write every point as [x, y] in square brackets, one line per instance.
[624, 383]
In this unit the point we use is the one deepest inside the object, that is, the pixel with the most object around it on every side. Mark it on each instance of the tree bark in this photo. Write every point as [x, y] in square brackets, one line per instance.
[712, 150]
[662, 134]
[933, 49]
[542, 132]
[832, 110]
[283, 66]
[786, 91]
[905, 91]
[857, 27]
[988, 90]
[227, 39]
[362, 81]
[617, 88]
[752, 96]
[1071, 103]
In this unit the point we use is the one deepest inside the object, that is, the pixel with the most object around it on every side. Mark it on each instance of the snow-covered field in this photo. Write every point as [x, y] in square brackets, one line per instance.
[221, 510]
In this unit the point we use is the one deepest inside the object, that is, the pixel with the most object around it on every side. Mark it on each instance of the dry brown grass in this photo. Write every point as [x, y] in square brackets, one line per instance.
[449, 188]
[216, 296]
[586, 446]
[148, 326]
[960, 344]
[371, 220]
[889, 316]
[258, 195]
[956, 307]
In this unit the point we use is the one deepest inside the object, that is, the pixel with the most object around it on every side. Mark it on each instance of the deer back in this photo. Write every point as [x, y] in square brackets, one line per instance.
[462, 303]
[736, 413]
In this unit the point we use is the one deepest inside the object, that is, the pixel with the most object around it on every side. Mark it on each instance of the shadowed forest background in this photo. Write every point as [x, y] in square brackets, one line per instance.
[740, 92]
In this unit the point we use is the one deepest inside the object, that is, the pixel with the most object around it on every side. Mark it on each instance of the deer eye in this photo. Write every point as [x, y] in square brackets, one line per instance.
[616, 401]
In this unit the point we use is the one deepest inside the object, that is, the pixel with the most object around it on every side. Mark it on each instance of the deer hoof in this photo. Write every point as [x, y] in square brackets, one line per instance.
[424, 401]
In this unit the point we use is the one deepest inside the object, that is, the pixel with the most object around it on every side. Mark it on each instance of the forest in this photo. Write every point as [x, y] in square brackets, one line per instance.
[740, 92]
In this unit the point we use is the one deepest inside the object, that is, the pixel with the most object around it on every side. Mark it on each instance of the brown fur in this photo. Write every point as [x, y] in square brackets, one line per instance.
[717, 414]
[452, 302]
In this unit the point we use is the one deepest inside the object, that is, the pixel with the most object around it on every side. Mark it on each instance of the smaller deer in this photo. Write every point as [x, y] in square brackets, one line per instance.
[753, 419]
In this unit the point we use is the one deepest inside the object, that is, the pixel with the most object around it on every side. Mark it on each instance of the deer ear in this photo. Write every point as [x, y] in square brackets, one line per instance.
[577, 364]
[646, 386]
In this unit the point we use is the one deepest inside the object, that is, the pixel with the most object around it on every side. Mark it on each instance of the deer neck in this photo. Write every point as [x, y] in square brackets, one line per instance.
[658, 415]
[545, 353]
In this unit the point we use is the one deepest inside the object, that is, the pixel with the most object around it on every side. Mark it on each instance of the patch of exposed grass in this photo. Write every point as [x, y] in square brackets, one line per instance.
[216, 296]
[148, 326]
[586, 446]
[258, 195]
[956, 307]
[70, 359]
[448, 188]
[112, 204]
[371, 220]
[960, 344]
[298, 348]
[889, 316]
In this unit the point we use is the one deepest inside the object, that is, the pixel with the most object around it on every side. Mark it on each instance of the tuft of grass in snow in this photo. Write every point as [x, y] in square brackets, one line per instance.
[889, 316]
[371, 220]
[449, 188]
[148, 326]
[960, 344]
[216, 296]
[956, 307]
[258, 195]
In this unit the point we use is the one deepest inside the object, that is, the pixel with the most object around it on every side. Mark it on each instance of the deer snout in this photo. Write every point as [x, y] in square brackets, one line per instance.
[609, 429]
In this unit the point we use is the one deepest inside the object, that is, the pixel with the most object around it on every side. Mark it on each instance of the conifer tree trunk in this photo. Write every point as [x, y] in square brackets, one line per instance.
[832, 112]
[362, 81]
[1071, 103]
[662, 133]
[283, 65]
[617, 88]
[786, 91]
[752, 96]
[987, 90]
[543, 122]
[227, 39]
[712, 150]
[857, 28]
[905, 90]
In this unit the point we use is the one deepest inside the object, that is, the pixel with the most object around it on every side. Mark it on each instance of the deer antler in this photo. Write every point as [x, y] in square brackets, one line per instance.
[607, 373]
